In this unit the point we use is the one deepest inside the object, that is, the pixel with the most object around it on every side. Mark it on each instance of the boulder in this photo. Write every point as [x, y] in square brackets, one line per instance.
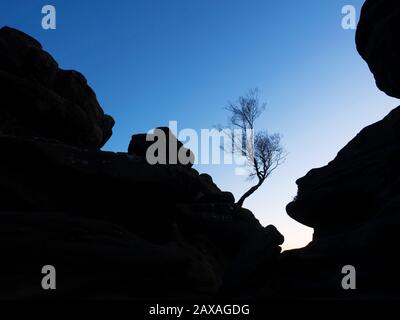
[169, 149]
[42, 100]
[377, 42]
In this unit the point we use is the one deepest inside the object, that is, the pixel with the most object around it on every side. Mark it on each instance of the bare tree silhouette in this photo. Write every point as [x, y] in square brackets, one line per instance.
[263, 152]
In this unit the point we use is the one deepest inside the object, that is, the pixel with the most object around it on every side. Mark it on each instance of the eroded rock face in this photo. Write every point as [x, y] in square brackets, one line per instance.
[353, 203]
[353, 187]
[378, 42]
[117, 227]
[40, 99]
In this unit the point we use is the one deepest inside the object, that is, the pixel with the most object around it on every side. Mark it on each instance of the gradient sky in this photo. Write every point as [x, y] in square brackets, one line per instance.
[152, 61]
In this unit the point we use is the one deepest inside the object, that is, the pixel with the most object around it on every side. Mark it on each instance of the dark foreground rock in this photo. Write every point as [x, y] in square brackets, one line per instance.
[115, 226]
[353, 203]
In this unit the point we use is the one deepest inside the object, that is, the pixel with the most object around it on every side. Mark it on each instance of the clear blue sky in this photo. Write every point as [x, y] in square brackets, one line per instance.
[152, 61]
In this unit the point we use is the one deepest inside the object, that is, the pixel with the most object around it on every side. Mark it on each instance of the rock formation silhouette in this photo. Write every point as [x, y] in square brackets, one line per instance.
[353, 203]
[40, 99]
[140, 144]
[115, 226]
[377, 43]
[112, 225]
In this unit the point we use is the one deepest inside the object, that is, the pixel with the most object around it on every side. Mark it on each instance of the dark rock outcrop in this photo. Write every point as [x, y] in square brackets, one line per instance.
[352, 188]
[113, 225]
[168, 149]
[40, 99]
[105, 219]
[353, 203]
[377, 42]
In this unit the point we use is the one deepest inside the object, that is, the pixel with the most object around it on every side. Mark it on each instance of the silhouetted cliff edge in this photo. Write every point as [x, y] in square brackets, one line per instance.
[112, 225]
[353, 203]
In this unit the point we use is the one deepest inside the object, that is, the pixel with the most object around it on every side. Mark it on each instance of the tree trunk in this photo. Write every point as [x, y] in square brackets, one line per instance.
[249, 193]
